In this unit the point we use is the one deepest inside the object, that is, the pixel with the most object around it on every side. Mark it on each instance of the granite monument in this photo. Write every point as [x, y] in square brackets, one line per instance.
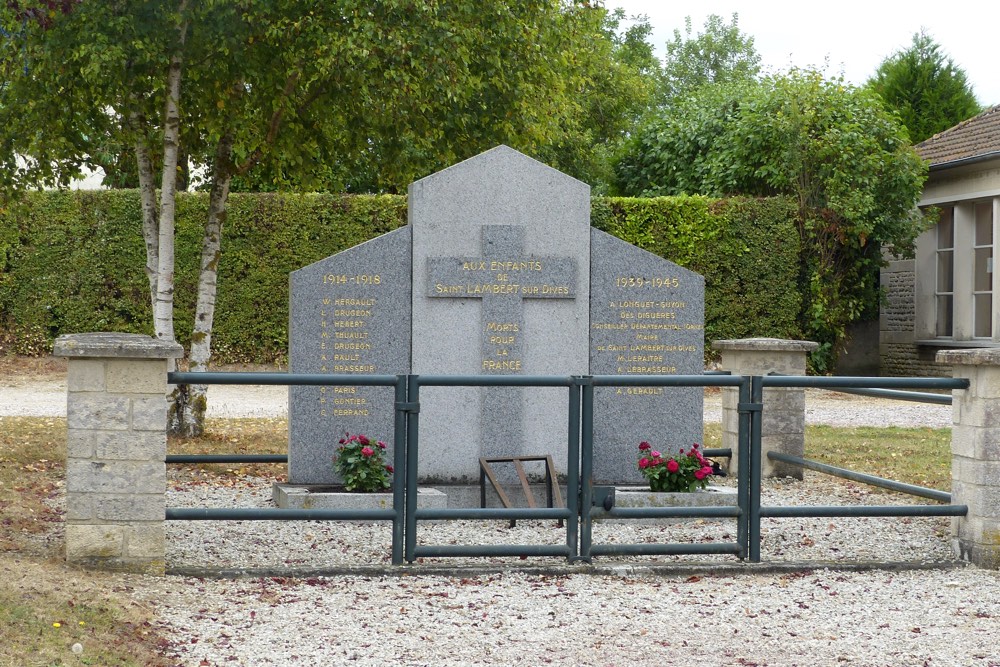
[497, 273]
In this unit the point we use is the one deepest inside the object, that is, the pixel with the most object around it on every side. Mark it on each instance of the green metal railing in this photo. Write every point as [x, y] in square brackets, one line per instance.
[395, 514]
[568, 514]
[869, 385]
[588, 549]
[579, 509]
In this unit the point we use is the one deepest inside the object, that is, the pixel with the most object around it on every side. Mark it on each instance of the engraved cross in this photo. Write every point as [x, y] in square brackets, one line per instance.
[502, 277]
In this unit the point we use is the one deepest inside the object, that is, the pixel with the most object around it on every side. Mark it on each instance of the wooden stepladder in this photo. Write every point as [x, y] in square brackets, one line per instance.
[553, 496]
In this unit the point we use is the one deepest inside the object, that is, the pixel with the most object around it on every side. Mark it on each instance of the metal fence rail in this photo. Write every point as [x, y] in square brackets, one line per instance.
[864, 478]
[588, 549]
[394, 515]
[883, 387]
[569, 514]
[579, 510]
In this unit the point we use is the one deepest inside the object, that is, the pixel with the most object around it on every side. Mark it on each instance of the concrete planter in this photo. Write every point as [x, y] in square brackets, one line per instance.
[641, 496]
[307, 496]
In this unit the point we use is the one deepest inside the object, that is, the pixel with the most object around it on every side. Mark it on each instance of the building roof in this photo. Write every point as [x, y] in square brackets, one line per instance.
[975, 139]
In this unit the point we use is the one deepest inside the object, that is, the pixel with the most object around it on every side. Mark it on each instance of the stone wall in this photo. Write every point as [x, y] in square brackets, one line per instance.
[898, 351]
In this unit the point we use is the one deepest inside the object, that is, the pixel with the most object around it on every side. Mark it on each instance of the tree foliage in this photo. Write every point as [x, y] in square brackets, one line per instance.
[846, 161]
[925, 87]
[616, 74]
[352, 92]
[568, 100]
[721, 54]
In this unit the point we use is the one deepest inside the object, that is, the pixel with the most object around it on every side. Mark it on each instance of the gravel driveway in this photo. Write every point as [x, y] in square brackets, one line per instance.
[47, 398]
[637, 611]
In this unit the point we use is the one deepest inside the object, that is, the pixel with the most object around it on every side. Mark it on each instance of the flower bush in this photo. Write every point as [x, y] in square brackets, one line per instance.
[359, 461]
[686, 471]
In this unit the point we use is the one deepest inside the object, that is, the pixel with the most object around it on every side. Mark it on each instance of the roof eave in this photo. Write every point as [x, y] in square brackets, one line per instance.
[985, 157]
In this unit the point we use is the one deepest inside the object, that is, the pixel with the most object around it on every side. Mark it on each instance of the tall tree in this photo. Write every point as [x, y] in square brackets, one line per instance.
[613, 73]
[846, 161]
[720, 54]
[235, 83]
[602, 72]
[925, 87]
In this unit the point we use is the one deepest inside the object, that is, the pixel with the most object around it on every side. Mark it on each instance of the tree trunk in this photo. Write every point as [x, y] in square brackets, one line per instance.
[150, 220]
[201, 338]
[163, 314]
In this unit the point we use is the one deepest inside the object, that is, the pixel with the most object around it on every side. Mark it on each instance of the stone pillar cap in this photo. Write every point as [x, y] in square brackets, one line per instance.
[765, 345]
[116, 345]
[982, 356]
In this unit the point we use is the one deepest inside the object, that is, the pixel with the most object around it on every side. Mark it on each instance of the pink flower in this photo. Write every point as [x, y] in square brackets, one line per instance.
[644, 446]
[673, 466]
[656, 454]
[389, 468]
[699, 474]
[694, 446]
[381, 445]
[367, 451]
[364, 440]
[643, 462]
[707, 470]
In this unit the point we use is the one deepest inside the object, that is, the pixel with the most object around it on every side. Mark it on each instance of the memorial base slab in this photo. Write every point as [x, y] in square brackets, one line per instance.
[327, 497]
[637, 496]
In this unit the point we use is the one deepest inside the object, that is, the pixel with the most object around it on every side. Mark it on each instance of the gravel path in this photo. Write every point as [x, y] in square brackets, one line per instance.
[47, 398]
[671, 611]
[661, 611]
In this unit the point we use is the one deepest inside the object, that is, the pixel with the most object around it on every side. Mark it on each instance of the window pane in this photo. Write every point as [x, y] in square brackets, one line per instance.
[944, 315]
[983, 271]
[946, 228]
[984, 315]
[945, 275]
[984, 223]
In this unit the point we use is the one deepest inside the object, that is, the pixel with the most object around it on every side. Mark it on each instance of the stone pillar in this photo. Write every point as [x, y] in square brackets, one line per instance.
[783, 425]
[975, 454]
[116, 415]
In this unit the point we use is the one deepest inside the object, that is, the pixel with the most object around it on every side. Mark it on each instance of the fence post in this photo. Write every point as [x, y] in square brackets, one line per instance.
[975, 454]
[116, 415]
[783, 422]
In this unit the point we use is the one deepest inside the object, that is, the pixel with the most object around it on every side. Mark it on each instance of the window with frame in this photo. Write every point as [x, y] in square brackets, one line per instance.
[982, 272]
[955, 298]
[944, 292]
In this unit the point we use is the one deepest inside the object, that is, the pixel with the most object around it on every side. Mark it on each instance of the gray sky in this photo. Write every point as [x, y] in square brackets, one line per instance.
[852, 37]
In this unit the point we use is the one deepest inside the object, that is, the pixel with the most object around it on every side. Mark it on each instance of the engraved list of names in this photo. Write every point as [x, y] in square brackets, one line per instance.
[349, 315]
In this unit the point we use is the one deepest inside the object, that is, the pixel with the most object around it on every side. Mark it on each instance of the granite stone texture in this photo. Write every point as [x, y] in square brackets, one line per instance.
[349, 314]
[507, 239]
[499, 274]
[646, 318]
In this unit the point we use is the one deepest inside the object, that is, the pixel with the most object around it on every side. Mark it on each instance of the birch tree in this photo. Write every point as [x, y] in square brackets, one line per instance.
[237, 82]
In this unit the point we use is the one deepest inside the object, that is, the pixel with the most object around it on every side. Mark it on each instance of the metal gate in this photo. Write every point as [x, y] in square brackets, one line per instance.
[582, 502]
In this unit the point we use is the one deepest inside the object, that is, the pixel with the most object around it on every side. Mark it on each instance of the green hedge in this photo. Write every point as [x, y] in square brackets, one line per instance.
[74, 261]
[747, 249]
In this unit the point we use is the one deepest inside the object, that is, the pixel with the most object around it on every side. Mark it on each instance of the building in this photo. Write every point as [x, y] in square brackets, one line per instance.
[944, 297]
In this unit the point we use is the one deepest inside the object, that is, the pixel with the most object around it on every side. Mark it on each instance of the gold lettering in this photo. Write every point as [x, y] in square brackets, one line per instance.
[354, 302]
[505, 365]
[502, 327]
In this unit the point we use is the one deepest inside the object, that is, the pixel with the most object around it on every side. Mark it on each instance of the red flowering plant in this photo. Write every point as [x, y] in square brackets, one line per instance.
[359, 461]
[685, 471]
